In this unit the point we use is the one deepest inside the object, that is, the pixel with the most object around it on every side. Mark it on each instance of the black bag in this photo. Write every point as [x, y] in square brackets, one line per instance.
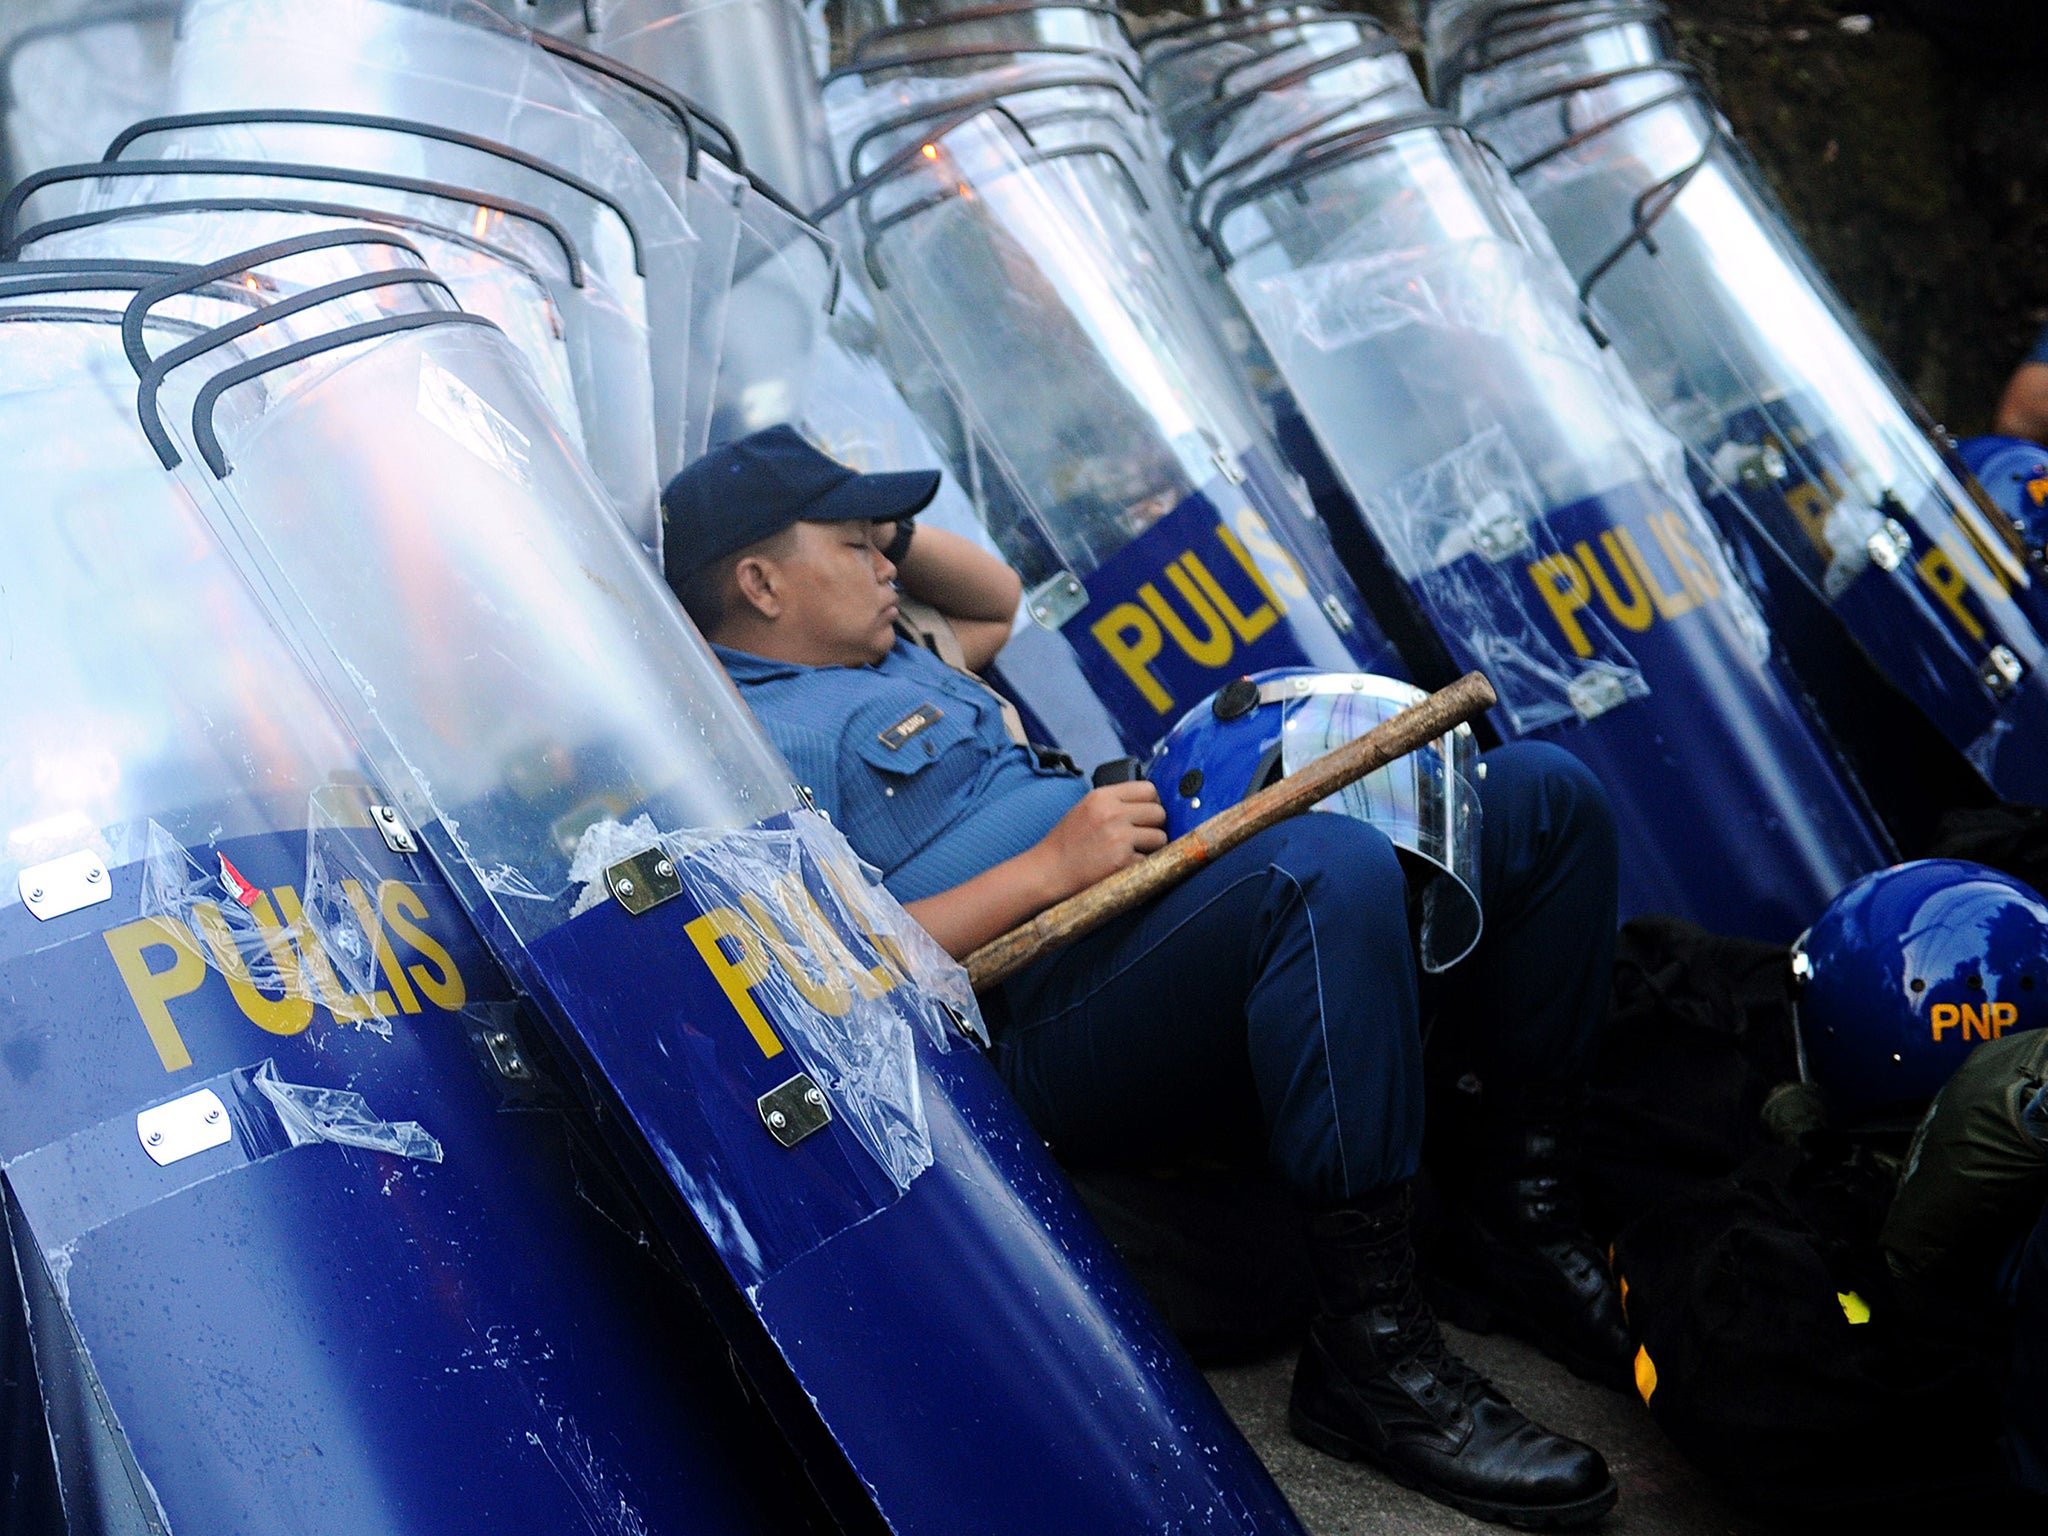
[2012, 838]
[1699, 1031]
[1773, 1356]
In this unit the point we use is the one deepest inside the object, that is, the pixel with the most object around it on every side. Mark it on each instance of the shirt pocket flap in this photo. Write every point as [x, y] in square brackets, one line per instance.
[905, 742]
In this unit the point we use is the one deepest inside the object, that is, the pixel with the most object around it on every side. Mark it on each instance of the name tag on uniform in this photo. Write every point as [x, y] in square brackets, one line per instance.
[909, 726]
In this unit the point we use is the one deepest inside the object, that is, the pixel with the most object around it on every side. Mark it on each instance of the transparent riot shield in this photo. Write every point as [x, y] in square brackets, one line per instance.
[769, 1038]
[453, 64]
[252, 1206]
[1091, 374]
[1537, 514]
[75, 72]
[1807, 448]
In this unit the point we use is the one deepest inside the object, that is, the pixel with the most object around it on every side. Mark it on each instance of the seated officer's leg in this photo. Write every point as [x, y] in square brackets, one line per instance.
[1515, 1027]
[1279, 981]
[1282, 977]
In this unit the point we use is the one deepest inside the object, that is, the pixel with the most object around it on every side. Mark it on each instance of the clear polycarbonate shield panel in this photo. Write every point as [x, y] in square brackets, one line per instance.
[604, 340]
[1081, 368]
[512, 662]
[1427, 802]
[1200, 91]
[1277, 124]
[73, 73]
[484, 281]
[709, 194]
[455, 64]
[139, 681]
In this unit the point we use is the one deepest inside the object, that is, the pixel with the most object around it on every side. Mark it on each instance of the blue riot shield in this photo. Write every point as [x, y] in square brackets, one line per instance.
[1810, 455]
[1518, 486]
[307, 1232]
[1158, 532]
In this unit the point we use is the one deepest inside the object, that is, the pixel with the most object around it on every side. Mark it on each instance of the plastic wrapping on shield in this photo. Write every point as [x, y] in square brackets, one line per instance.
[1487, 287]
[1463, 529]
[281, 953]
[336, 1115]
[843, 973]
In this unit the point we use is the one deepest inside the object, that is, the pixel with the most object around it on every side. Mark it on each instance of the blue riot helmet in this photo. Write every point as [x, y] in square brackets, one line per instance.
[1252, 731]
[1906, 971]
[2014, 474]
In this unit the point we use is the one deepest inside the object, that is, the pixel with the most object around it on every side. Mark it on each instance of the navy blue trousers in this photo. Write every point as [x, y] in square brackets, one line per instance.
[1277, 989]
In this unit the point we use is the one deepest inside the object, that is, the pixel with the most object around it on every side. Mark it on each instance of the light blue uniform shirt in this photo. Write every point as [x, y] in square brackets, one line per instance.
[911, 761]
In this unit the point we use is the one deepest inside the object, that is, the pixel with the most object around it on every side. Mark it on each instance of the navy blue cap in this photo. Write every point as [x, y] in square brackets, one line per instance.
[752, 488]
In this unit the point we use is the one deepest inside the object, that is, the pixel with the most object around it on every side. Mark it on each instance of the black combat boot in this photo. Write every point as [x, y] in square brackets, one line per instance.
[1376, 1382]
[1513, 1251]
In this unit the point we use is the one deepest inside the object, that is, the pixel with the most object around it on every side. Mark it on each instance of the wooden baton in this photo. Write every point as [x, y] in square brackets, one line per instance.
[1133, 886]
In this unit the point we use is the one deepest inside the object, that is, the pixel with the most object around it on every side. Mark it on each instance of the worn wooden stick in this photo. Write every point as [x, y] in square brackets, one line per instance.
[1085, 911]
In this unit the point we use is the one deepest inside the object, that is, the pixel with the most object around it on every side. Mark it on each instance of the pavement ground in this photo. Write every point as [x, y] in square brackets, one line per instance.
[1661, 1494]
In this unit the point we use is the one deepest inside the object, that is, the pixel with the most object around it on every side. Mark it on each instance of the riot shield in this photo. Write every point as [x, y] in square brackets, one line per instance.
[1420, 319]
[601, 337]
[1805, 447]
[1032, 277]
[454, 65]
[299, 1237]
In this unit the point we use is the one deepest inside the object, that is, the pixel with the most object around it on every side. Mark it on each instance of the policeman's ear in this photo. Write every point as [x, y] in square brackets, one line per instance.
[758, 584]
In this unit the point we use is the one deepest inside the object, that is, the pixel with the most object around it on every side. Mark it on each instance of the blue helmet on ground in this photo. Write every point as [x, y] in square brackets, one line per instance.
[2014, 474]
[1254, 730]
[1907, 971]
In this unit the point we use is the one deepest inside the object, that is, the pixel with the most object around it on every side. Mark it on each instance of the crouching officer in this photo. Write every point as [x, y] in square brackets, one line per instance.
[1277, 984]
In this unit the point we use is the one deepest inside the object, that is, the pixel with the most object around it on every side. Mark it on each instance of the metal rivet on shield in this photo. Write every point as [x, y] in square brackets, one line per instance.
[665, 869]
[812, 1096]
[92, 877]
[212, 1115]
[625, 887]
[156, 1138]
[36, 894]
[777, 1119]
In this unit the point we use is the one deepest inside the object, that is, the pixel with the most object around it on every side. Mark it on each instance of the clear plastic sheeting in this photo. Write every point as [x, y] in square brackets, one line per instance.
[513, 665]
[73, 73]
[1480, 500]
[336, 1116]
[281, 953]
[834, 967]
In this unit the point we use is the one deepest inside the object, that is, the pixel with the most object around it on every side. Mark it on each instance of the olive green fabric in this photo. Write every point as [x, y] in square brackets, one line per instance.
[1977, 1171]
